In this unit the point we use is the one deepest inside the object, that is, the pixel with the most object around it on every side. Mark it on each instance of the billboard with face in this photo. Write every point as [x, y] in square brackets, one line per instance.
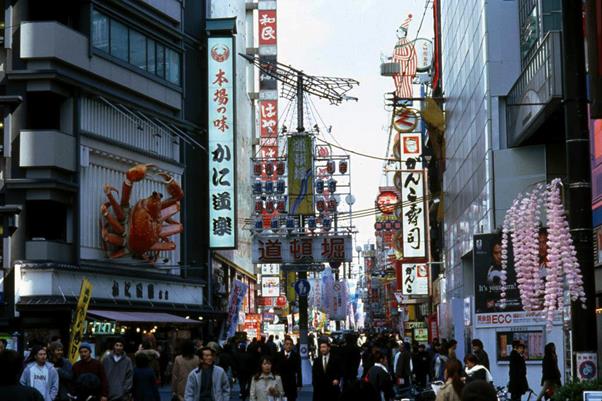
[487, 258]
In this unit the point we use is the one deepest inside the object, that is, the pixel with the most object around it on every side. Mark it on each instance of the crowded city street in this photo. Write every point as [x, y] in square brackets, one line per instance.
[300, 200]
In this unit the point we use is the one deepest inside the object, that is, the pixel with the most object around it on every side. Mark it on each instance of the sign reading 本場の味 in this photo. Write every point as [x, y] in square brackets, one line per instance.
[222, 150]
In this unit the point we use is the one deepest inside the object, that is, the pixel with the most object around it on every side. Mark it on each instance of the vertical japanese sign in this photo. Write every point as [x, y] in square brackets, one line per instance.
[268, 125]
[300, 175]
[268, 85]
[222, 151]
[237, 294]
[413, 218]
[415, 279]
[267, 28]
[77, 329]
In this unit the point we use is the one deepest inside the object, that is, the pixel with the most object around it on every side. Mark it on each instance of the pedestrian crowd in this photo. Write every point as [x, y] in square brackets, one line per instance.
[378, 367]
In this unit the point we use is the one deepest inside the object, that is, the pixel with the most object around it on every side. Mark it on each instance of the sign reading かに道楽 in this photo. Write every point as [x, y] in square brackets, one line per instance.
[222, 150]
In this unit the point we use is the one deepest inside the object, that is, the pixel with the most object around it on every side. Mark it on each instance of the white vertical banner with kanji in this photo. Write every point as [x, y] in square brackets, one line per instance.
[413, 215]
[222, 151]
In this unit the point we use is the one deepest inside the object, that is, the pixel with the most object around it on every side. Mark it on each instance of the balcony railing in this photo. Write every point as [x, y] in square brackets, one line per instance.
[539, 84]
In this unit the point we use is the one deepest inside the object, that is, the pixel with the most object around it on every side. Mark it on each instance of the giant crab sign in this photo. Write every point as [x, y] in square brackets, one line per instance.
[144, 229]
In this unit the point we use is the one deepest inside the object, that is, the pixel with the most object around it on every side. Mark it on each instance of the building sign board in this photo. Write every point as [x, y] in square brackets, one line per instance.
[267, 28]
[300, 175]
[222, 148]
[316, 249]
[270, 286]
[413, 214]
[415, 279]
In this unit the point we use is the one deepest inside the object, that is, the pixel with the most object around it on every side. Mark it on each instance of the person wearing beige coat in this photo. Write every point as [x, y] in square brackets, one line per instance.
[265, 385]
[452, 389]
[183, 365]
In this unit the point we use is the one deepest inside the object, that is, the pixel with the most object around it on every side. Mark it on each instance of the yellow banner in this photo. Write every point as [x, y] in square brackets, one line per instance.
[291, 277]
[77, 329]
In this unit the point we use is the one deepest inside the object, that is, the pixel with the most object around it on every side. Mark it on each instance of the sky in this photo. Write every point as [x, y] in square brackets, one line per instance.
[346, 38]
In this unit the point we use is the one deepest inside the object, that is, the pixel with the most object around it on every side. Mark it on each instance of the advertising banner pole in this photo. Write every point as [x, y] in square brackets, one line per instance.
[303, 317]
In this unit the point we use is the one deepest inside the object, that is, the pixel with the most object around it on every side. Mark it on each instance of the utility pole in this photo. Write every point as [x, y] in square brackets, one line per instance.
[334, 90]
[578, 173]
[303, 317]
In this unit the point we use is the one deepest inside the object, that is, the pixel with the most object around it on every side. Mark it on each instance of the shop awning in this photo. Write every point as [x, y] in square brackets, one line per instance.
[141, 317]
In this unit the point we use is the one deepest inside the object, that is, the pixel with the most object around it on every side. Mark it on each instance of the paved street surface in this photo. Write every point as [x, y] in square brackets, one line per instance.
[305, 394]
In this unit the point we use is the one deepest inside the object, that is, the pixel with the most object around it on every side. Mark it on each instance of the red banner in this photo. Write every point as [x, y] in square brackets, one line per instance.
[268, 118]
[267, 27]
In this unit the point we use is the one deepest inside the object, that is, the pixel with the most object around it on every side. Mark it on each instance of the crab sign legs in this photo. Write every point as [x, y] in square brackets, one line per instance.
[141, 230]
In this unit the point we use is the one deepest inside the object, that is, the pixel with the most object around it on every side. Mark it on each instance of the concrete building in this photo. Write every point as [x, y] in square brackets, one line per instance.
[501, 74]
[236, 264]
[90, 89]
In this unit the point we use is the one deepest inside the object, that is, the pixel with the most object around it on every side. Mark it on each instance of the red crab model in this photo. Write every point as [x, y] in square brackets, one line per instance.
[143, 229]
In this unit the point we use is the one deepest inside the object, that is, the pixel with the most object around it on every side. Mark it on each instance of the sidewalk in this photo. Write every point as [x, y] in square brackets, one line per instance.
[305, 394]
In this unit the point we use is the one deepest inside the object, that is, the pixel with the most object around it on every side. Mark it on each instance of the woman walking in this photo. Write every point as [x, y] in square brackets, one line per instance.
[145, 382]
[550, 377]
[452, 389]
[183, 365]
[265, 384]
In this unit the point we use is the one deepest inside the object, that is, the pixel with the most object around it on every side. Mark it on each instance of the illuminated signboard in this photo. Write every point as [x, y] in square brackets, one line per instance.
[222, 150]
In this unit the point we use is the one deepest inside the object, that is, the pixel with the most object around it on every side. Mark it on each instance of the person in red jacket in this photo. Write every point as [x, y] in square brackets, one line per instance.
[89, 375]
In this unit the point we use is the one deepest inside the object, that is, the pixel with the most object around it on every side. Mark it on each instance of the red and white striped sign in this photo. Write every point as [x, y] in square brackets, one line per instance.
[405, 54]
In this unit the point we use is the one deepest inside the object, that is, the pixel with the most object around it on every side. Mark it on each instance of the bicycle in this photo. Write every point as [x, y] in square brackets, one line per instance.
[503, 394]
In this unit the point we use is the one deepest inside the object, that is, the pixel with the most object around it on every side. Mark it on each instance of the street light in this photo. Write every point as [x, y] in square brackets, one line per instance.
[358, 249]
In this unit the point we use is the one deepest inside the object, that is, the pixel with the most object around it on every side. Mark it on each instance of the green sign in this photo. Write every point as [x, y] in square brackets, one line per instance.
[101, 328]
[300, 175]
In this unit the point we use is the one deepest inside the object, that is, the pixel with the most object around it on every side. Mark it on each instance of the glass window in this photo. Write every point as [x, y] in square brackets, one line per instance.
[138, 49]
[160, 61]
[172, 65]
[100, 31]
[151, 56]
[119, 40]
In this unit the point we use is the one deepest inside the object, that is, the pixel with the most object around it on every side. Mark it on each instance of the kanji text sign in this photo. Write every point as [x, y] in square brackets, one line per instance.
[222, 152]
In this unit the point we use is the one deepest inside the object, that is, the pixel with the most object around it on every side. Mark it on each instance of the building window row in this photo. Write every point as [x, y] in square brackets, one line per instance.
[131, 46]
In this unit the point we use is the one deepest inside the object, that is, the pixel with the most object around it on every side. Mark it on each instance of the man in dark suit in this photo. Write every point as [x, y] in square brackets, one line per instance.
[326, 374]
[289, 369]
